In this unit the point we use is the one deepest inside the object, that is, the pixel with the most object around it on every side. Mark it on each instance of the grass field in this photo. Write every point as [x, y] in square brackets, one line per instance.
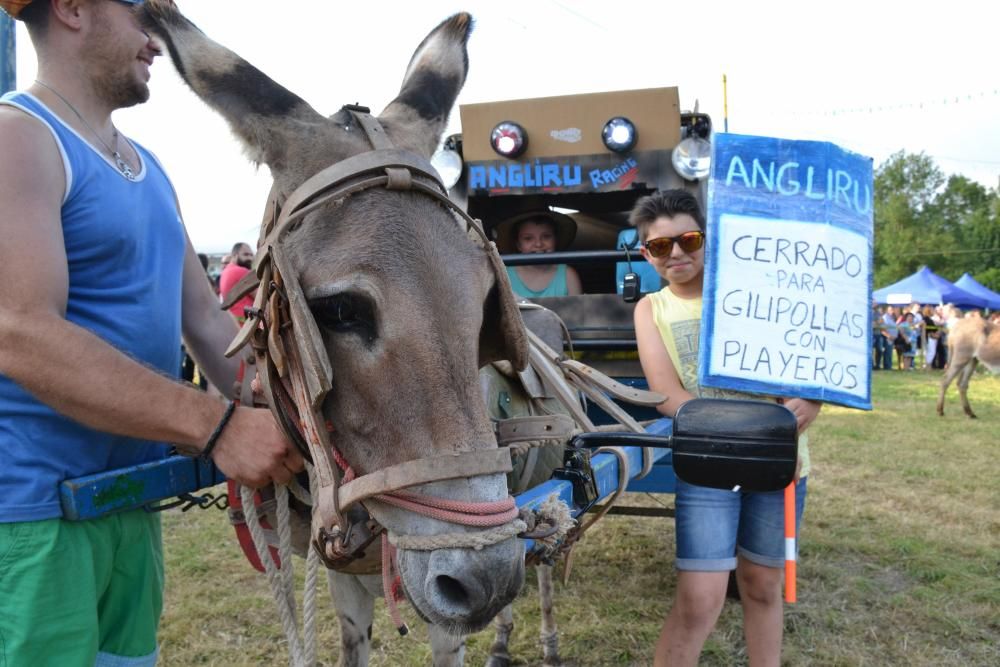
[899, 561]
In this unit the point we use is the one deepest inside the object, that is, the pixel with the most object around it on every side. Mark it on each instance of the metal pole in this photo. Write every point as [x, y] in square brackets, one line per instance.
[8, 54]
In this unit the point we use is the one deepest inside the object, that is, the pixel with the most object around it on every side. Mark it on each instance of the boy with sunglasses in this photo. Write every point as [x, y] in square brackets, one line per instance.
[716, 531]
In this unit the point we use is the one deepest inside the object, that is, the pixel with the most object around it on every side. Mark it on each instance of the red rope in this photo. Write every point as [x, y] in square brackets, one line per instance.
[482, 515]
[391, 584]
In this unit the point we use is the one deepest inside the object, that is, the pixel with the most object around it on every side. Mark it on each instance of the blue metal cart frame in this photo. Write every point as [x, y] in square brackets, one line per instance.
[148, 484]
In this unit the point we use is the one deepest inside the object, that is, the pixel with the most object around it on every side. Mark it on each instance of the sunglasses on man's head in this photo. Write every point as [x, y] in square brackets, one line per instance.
[663, 246]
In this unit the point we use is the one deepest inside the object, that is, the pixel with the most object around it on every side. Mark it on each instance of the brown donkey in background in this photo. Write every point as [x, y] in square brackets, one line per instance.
[971, 338]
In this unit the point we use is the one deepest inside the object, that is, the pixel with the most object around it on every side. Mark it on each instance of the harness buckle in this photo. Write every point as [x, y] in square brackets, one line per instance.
[356, 108]
[338, 549]
[399, 178]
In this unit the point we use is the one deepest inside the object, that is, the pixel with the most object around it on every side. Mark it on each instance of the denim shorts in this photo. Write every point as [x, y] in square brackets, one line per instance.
[714, 525]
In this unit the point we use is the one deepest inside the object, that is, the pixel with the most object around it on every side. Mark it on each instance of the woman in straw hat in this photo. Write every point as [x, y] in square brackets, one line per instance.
[537, 232]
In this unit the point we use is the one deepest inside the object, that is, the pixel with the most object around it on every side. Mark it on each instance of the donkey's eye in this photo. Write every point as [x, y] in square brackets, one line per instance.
[346, 313]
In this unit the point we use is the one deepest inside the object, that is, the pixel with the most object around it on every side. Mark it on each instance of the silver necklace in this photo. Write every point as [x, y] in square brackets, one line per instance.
[120, 162]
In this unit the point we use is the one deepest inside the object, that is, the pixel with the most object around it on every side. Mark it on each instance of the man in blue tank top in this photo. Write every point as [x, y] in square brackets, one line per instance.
[98, 282]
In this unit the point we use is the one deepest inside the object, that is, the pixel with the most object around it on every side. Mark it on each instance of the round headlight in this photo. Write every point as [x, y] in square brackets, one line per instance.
[448, 164]
[692, 158]
[509, 139]
[619, 134]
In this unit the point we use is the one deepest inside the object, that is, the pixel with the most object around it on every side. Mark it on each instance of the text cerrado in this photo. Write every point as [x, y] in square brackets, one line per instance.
[772, 250]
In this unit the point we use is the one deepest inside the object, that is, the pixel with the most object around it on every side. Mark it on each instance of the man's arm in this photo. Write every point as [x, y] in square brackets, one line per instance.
[66, 366]
[657, 366]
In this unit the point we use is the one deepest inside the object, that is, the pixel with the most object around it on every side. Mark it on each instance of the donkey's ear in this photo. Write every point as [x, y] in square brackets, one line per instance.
[417, 117]
[265, 116]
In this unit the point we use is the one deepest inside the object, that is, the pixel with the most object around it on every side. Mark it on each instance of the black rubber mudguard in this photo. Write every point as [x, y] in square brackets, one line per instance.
[726, 444]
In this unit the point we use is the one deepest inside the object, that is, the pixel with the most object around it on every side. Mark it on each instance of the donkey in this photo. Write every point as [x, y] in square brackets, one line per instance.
[407, 307]
[970, 339]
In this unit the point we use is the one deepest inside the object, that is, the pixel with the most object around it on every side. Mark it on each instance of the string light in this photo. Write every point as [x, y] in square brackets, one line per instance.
[968, 98]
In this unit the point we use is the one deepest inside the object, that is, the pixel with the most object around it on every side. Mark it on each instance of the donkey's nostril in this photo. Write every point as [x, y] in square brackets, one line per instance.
[452, 590]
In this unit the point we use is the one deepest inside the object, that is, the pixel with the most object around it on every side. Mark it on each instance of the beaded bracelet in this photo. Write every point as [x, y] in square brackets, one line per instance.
[213, 440]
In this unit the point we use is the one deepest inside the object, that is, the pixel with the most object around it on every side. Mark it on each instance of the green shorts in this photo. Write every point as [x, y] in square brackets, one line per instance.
[81, 593]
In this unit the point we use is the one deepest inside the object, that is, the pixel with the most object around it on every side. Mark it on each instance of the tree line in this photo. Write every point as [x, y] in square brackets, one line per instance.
[922, 217]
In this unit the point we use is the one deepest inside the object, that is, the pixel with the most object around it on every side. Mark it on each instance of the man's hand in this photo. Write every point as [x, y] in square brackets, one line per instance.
[805, 411]
[253, 451]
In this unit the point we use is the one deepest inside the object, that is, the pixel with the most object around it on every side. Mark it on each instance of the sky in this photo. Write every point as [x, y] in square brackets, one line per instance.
[875, 77]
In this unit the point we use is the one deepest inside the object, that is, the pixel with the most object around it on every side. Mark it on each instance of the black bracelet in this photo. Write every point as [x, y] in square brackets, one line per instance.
[213, 440]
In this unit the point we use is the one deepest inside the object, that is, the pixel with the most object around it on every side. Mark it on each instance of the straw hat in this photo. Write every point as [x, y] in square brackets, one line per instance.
[505, 233]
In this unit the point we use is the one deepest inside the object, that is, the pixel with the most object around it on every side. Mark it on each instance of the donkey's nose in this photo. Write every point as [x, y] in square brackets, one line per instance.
[454, 589]
[462, 590]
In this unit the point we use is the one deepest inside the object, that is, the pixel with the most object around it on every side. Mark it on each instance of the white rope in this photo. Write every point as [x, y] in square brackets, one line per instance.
[554, 511]
[309, 595]
[274, 578]
[522, 448]
[285, 551]
[301, 650]
[477, 540]
[302, 494]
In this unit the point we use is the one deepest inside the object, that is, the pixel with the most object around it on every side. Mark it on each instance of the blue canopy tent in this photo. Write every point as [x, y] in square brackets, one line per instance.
[927, 287]
[972, 286]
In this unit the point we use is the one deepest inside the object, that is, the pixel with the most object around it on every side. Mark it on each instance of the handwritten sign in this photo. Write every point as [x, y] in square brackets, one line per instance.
[788, 264]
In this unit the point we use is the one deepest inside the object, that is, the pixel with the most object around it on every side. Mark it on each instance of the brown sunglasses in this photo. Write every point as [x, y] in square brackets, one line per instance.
[663, 246]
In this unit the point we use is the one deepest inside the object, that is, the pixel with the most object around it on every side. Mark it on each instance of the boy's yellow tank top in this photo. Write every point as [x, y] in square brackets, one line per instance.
[679, 323]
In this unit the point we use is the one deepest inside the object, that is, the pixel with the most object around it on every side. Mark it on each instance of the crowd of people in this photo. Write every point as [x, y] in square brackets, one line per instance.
[236, 264]
[915, 335]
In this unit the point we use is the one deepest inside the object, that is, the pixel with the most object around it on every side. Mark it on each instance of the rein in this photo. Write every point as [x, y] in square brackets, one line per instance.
[295, 371]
